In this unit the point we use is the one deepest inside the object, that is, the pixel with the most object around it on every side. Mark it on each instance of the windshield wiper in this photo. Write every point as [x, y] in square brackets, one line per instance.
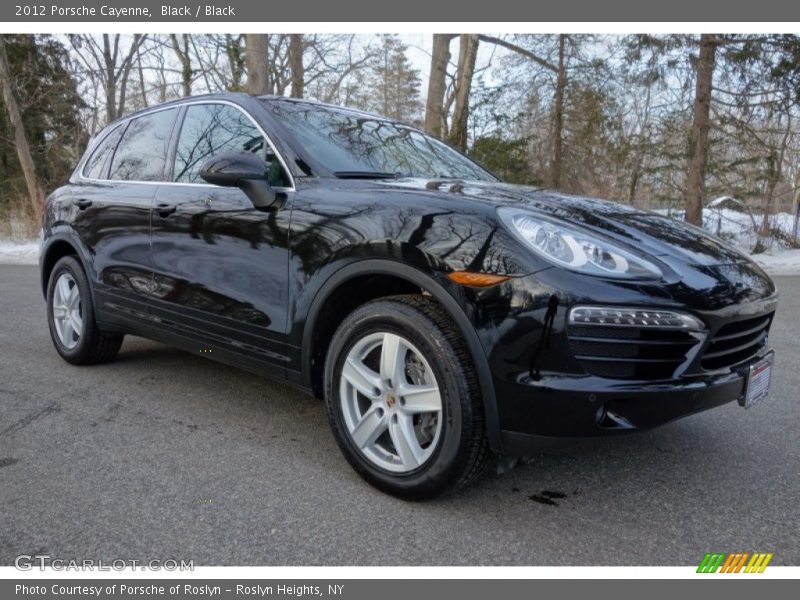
[365, 175]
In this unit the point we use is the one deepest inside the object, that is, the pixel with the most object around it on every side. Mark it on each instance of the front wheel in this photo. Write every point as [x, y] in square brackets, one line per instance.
[403, 398]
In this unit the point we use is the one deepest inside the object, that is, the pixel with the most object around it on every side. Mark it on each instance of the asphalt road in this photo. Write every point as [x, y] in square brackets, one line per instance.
[163, 454]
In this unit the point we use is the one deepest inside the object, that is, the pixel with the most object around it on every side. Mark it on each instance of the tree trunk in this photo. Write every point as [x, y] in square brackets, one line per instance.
[434, 107]
[186, 61]
[125, 68]
[633, 185]
[796, 205]
[556, 167]
[296, 63]
[111, 79]
[34, 185]
[256, 49]
[385, 82]
[773, 176]
[140, 69]
[467, 54]
[698, 137]
[776, 161]
[234, 53]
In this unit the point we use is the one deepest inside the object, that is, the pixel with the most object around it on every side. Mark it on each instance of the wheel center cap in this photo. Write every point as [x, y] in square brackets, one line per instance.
[391, 400]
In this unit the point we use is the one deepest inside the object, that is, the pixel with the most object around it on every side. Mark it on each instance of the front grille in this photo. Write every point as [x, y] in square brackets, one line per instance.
[735, 343]
[631, 352]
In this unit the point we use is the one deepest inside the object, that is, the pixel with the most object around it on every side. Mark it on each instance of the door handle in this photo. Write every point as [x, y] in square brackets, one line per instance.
[164, 210]
[83, 203]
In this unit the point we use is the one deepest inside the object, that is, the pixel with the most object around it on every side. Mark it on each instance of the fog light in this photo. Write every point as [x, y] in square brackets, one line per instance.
[633, 317]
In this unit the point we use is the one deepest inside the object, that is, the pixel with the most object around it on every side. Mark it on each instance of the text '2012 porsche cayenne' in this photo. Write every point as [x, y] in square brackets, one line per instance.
[445, 317]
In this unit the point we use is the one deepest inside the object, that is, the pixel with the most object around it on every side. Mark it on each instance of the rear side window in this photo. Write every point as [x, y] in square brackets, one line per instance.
[97, 165]
[142, 153]
[212, 129]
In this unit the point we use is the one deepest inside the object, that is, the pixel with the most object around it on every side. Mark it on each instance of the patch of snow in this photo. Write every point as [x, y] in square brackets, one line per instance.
[19, 253]
[721, 200]
[780, 262]
[737, 229]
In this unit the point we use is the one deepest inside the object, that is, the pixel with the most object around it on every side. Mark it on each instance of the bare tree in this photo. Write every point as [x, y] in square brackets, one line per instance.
[110, 64]
[279, 76]
[182, 52]
[434, 107]
[467, 54]
[32, 181]
[236, 62]
[256, 50]
[296, 61]
[219, 59]
[560, 71]
[334, 64]
[698, 136]
[140, 71]
[558, 116]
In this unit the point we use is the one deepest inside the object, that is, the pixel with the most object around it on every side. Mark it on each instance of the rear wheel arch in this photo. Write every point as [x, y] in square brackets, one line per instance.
[407, 280]
[52, 253]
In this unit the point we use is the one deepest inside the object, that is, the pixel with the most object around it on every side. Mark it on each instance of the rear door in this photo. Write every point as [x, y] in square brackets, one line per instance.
[220, 265]
[113, 198]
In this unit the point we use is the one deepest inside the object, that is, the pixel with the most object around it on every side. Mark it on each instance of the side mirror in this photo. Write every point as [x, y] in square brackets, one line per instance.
[245, 171]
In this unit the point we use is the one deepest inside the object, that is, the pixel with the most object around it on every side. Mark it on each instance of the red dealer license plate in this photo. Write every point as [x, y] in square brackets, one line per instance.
[757, 378]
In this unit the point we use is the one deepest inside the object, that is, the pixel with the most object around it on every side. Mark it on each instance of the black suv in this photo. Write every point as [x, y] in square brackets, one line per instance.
[443, 315]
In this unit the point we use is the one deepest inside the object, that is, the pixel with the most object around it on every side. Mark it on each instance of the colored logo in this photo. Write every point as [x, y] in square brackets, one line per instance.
[738, 562]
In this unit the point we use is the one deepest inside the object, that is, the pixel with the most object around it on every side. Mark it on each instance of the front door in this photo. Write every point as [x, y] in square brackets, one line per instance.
[220, 266]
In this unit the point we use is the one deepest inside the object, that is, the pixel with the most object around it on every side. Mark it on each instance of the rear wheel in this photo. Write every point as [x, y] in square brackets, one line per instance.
[403, 398]
[71, 318]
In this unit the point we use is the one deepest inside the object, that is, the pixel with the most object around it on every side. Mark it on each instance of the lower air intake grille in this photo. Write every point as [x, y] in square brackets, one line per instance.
[736, 343]
[630, 352]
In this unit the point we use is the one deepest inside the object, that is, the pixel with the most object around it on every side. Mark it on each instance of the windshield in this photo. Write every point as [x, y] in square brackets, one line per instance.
[356, 145]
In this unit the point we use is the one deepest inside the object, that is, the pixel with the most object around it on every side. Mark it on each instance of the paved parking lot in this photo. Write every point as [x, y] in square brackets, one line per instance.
[163, 454]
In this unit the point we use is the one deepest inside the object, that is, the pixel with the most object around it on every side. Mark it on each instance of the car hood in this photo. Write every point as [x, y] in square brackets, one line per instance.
[645, 231]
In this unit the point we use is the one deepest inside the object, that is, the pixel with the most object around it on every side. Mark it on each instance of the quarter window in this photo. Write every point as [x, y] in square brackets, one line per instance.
[97, 165]
[212, 129]
[142, 153]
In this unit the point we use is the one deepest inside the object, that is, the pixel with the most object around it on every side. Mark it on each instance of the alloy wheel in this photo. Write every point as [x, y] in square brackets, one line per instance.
[391, 402]
[67, 314]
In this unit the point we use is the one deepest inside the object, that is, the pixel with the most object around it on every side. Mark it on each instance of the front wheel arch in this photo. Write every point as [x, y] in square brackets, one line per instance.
[438, 292]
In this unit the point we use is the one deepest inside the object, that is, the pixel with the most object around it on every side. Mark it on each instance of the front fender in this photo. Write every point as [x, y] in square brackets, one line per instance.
[438, 286]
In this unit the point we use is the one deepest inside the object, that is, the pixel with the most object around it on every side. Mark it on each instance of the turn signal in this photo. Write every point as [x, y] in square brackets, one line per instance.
[476, 279]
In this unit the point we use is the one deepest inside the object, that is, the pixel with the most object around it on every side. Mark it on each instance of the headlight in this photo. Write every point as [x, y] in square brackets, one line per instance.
[575, 249]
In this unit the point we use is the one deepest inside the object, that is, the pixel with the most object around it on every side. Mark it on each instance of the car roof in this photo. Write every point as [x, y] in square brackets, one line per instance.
[240, 96]
[179, 101]
[326, 105]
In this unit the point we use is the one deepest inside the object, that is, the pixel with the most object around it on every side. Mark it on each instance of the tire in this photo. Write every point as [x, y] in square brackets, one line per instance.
[71, 318]
[376, 421]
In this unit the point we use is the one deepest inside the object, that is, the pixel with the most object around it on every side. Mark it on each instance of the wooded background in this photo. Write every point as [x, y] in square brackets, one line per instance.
[657, 121]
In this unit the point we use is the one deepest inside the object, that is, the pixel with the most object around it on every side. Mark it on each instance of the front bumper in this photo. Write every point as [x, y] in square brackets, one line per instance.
[557, 410]
[545, 396]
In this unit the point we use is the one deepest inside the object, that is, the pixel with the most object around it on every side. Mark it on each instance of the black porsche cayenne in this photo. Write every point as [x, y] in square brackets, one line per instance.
[443, 315]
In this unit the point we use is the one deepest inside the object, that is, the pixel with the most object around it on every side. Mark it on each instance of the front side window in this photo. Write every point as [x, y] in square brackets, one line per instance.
[212, 129]
[142, 153]
[97, 165]
[349, 143]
